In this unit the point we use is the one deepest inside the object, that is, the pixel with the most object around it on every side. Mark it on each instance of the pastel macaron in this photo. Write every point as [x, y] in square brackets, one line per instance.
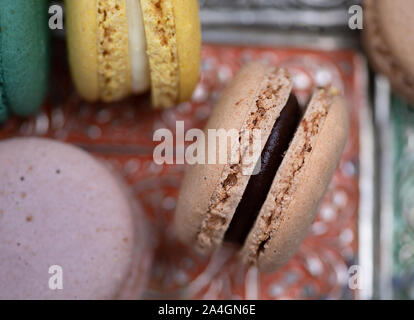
[23, 56]
[120, 47]
[388, 40]
[265, 213]
[68, 227]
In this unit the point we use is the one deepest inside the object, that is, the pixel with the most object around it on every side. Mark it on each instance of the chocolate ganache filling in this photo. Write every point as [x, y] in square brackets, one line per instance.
[259, 185]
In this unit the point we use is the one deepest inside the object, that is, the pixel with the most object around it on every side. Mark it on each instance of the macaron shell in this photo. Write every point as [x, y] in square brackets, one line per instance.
[210, 193]
[59, 206]
[82, 42]
[161, 38]
[388, 44]
[188, 32]
[137, 278]
[200, 181]
[24, 54]
[299, 185]
[397, 20]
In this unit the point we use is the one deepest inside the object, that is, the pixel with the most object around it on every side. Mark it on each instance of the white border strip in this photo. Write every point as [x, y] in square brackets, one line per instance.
[367, 191]
[385, 132]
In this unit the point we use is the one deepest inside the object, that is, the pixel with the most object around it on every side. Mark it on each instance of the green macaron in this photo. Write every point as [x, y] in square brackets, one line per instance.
[24, 56]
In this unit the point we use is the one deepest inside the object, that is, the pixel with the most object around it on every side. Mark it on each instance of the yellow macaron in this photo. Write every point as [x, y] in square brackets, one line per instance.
[119, 47]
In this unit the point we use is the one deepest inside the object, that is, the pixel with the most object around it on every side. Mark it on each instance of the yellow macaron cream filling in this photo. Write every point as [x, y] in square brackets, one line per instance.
[140, 75]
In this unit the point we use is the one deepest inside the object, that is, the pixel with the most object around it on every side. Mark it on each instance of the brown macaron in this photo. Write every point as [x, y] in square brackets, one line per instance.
[266, 213]
[389, 42]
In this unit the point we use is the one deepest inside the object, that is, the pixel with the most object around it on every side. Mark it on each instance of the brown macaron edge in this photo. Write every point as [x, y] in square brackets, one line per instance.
[300, 182]
[210, 194]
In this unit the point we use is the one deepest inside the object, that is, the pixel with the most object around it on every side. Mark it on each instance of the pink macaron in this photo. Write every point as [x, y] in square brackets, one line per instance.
[68, 228]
